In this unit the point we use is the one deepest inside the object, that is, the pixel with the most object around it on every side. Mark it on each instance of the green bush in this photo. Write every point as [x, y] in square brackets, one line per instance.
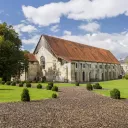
[97, 86]
[115, 93]
[51, 84]
[13, 83]
[0, 80]
[21, 84]
[39, 86]
[55, 88]
[18, 81]
[126, 76]
[77, 84]
[89, 87]
[25, 95]
[8, 82]
[54, 95]
[28, 85]
[43, 79]
[3, 82]
[48, 87]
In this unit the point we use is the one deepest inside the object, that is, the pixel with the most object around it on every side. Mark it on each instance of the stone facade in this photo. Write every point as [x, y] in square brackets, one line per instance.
[58, 69]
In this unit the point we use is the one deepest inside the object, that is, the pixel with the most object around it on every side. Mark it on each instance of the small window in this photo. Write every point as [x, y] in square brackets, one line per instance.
[83, 65]
[100, 66]
[76, 65]
[89, 65]
[42, 62]
[95, 66]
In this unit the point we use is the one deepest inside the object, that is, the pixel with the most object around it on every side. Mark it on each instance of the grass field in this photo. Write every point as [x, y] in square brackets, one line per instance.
[122, 85]
[13, 93]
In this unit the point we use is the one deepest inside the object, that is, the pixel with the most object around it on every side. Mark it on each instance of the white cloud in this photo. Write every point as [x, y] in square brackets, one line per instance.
[32, 40]
[55, 28]
[67, 32]
[90, 27]
[24, 28]
[0, 21]
[75, 9]
[116, 43]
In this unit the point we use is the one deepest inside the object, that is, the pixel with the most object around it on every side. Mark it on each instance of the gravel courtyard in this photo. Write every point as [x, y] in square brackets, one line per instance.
[75, 108]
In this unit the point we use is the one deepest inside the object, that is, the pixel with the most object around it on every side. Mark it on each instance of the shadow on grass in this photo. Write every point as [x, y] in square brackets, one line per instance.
[6, 89]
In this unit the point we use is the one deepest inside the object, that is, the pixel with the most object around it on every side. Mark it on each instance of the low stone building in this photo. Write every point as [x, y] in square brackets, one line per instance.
[66, 61]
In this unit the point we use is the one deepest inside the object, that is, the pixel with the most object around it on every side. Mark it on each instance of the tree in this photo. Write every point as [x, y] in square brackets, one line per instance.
[12, 59]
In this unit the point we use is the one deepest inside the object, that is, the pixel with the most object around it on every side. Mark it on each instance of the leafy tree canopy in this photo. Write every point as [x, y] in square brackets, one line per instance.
[12, 59]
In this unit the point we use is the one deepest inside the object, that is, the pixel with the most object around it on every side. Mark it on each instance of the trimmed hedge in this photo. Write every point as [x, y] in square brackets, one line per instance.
[55, 88]
[28, 85]
[97, 86]
[8, 83]
[13, 83]
[39, 86]
[126, 76]
[25, 95]
[115, 93]
[77, 84]
[89, 87]
[3, 82]
[21, 84]
[51, 84]
[54, 95]
[48, 87]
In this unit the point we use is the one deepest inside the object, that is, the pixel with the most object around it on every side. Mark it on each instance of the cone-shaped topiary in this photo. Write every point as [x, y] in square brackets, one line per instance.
[97, 86]
[115, 93]
[89, 87]
[28, 85]
[39, 86]
[3, 82]
[77, 84]
[8, 83]
[25, 95]
[51, 84]
[54, 95]
[55, 88]
[21, 84]
[48, 87]
[13, 84]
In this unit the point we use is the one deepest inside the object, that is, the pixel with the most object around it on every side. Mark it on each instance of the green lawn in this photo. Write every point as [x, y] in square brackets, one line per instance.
[13, 93]
[122, 85]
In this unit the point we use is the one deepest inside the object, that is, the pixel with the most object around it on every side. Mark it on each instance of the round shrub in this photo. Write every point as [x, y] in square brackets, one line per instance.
[115, 93]
[51, 84]
[97, 86]
[25, 95]
[28, 85]
[54, 95]
[13, 84]
[126, 76]
[8, 82]
[77, 84]
[48, 87]
[39, 86]
[21, 84]
[89, 87]
[43, 79]
[55, 88]
[3, 82]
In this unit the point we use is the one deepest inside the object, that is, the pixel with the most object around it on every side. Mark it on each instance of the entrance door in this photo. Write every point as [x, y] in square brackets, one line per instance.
[83, 76]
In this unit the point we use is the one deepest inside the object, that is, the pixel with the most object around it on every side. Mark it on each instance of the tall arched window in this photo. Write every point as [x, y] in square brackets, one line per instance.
[42, 62]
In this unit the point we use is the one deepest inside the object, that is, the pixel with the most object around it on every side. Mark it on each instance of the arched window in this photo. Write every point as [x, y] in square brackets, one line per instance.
[42, 62]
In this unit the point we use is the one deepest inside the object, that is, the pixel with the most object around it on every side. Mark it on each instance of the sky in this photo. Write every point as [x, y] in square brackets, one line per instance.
[99, 23]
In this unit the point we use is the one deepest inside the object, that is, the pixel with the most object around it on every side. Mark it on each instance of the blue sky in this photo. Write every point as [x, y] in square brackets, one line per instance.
[98, 23]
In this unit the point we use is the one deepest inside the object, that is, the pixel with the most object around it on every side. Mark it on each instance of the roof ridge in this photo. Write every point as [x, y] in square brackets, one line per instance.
[75, 42]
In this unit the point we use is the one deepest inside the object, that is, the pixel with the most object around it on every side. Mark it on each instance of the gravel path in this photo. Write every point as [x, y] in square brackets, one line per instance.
[75, 108]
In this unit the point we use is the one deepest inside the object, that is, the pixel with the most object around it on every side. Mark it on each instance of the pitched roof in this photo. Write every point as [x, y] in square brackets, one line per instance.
[31, 57]
[73, 51]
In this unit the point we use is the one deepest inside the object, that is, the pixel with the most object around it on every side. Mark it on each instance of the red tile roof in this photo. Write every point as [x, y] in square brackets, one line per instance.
[73, 51]
[31, 57]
